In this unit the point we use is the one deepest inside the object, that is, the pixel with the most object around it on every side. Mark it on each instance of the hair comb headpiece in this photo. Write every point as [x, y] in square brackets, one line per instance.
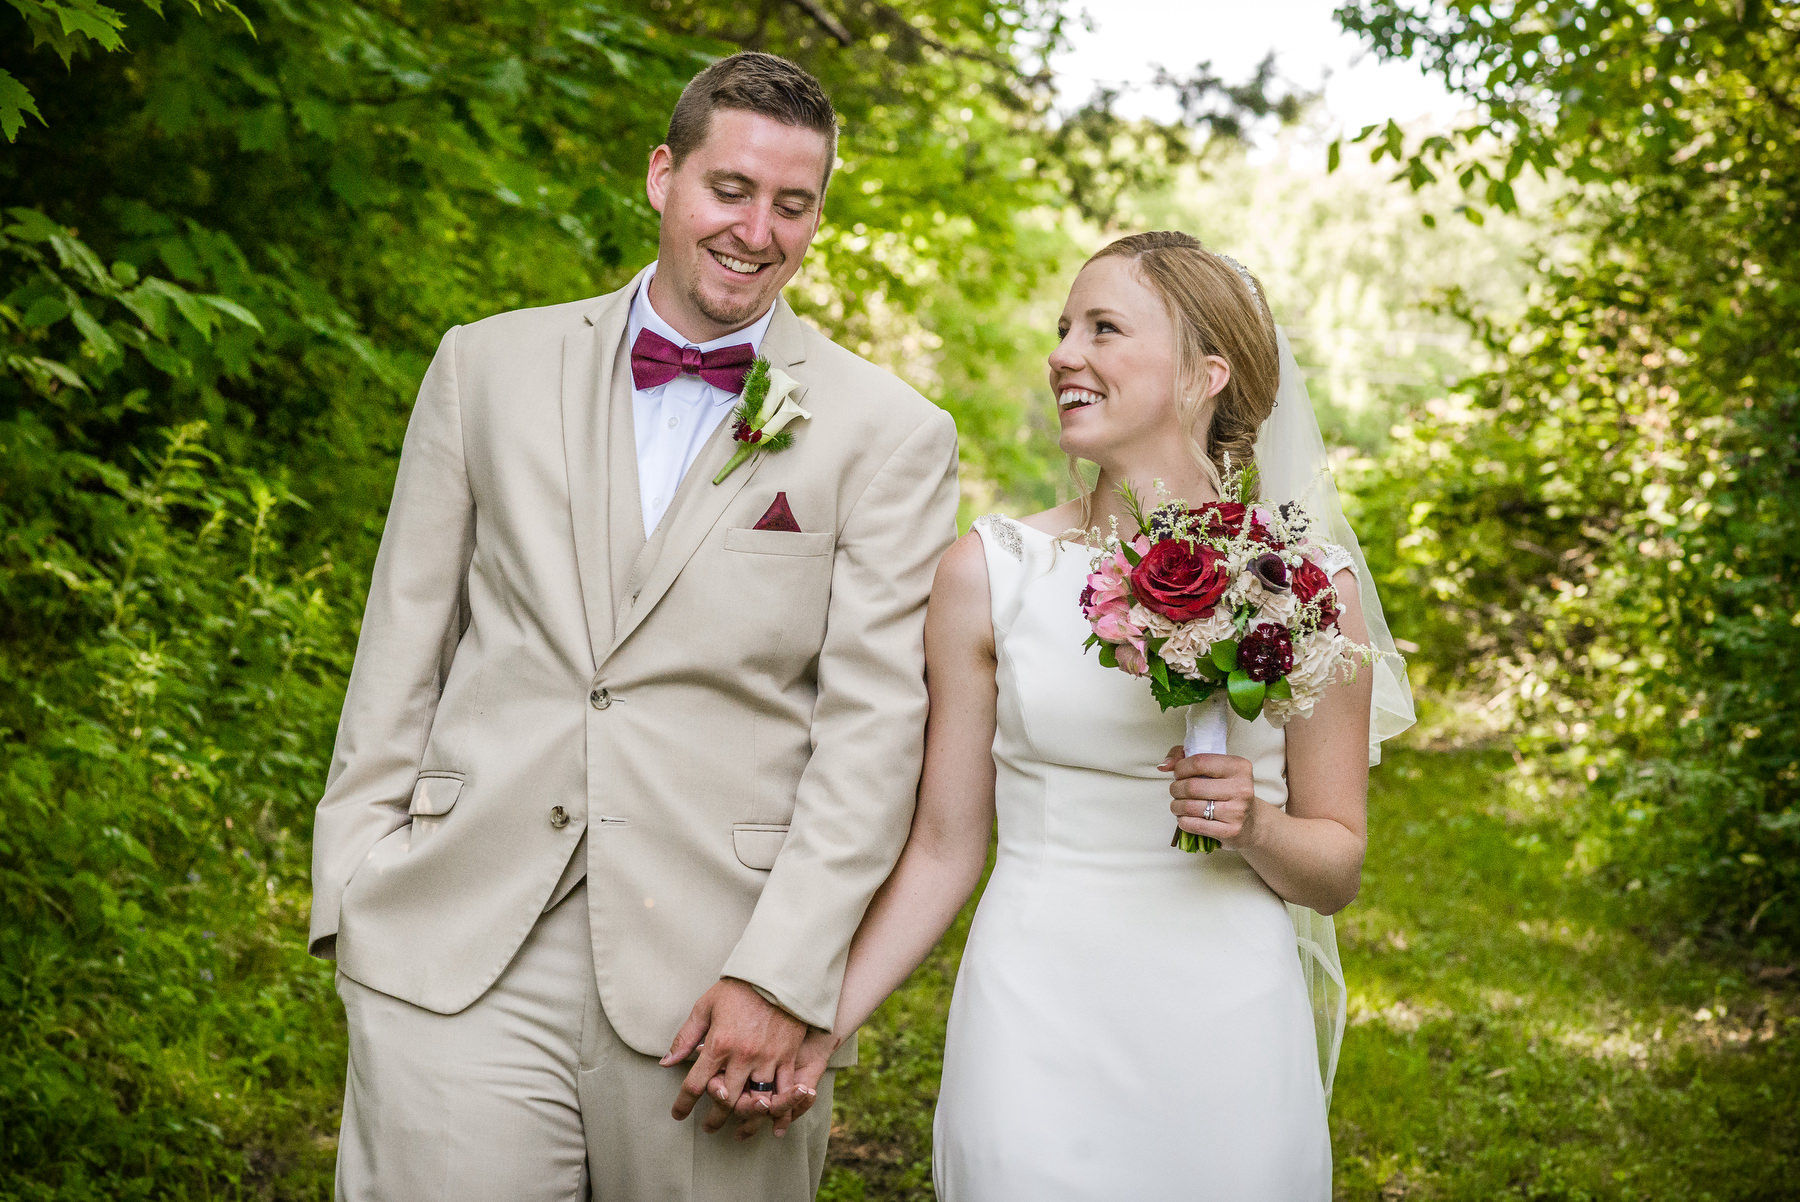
[1244, 274]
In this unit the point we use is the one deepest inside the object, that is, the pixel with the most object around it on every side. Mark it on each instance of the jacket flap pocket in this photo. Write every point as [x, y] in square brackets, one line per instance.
[778, 542]
[435, 794]
[758, 843]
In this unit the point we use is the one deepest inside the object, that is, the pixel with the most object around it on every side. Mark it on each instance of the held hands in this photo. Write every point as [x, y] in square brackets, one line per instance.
[1222, 781]
[741, 1038]
[789, 1105]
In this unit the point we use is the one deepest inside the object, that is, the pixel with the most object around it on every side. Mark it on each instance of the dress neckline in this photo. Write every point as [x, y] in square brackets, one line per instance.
[1055, 538]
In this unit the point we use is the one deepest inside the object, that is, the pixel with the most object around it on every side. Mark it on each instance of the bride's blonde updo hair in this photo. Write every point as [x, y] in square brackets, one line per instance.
[1216, 311]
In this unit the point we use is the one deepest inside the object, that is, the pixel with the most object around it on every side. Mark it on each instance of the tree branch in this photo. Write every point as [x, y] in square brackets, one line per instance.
[827, 22]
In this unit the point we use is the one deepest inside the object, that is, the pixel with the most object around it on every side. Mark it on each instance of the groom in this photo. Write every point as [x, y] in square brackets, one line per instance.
[624, 746]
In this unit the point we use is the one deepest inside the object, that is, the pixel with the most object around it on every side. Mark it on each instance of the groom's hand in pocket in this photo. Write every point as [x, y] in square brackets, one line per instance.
[739, 1037]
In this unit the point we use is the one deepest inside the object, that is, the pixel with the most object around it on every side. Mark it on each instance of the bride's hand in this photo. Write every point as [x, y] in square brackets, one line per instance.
[800, 1090]
[1224, 781]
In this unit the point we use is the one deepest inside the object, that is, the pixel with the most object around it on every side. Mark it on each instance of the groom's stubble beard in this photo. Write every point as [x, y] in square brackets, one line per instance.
[733, 316]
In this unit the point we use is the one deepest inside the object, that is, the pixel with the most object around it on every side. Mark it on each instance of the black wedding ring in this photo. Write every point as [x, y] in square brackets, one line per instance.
[760, 1086]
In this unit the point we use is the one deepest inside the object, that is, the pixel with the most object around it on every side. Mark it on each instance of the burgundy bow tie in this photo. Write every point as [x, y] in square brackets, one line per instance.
[655, 360]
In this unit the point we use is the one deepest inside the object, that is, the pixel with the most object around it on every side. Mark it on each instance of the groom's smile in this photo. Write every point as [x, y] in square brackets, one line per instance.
[738, 214]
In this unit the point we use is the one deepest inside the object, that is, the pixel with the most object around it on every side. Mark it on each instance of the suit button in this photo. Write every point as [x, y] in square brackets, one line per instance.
[600, 699]
[559, 817]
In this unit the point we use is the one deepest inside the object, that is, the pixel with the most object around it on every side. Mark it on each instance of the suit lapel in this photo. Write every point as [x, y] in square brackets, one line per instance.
[625, 500]
[590, 352]
[699, 503]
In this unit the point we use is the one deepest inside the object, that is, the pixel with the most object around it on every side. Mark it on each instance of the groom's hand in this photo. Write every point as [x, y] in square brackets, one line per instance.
[739, 1037]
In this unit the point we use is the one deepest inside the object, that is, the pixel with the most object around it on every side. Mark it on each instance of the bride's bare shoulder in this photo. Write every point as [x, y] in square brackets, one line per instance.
[957, 621]
[1054, 522]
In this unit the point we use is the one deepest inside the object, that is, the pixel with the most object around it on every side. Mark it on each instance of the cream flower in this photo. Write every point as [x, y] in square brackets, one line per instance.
[1318, 661]
[1156, 625]
[779, 407]
[1271, 606]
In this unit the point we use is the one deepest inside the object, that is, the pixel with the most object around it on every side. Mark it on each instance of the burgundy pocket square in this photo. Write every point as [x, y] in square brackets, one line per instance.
[778, 517]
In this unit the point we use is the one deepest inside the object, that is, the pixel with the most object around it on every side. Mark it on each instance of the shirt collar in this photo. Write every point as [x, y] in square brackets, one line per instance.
[645, 317]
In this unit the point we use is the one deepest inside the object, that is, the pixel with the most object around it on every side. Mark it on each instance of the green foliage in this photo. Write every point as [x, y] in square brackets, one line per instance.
[1599, 529]
[68, 28]
[165, 690]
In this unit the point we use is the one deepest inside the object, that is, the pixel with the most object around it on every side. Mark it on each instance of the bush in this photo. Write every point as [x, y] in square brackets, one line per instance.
[166, 706]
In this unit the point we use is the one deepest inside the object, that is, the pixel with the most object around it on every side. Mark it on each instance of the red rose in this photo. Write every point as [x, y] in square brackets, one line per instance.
[1267, 653]
[1312, 585]
[1179, 581]
[1224, 519]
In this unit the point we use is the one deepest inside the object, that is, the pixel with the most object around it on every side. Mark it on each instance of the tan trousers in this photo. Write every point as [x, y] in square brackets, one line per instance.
[529, 1095]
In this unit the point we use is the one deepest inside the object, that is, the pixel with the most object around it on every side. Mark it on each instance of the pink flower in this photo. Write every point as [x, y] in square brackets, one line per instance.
[1132, 658]
[1113, 623]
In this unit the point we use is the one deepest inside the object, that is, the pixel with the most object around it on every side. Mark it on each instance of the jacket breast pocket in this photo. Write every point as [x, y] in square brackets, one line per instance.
[433, 797]
[778, 585]
[778, 542]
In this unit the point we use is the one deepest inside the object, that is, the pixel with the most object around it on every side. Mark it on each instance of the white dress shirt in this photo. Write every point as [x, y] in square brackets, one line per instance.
[673, 421]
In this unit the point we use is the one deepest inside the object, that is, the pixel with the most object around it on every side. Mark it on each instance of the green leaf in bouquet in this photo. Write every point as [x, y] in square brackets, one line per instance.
[1281, 688]
[1180, 691]
[1246, 695]
[1247, 484]
[1159, 671]
[1240, 621]
[1131, 555]
[1210, 670]
[1224, 655]
[1109, 655]
[1092, 640]
[1134, 505]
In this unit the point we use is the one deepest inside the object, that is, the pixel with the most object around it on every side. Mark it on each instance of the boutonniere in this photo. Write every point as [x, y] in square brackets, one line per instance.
[762, 416]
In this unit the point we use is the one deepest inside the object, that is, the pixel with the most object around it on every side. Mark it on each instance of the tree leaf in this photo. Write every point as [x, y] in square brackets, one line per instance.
[16, 104]
[231, 308]
[44, 311]
[95, 334]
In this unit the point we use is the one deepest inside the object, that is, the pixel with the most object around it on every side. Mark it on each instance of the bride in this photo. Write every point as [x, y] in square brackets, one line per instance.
[1131, 1021]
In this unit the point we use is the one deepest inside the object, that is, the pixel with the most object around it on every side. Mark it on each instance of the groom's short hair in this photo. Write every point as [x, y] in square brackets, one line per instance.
[764, 84]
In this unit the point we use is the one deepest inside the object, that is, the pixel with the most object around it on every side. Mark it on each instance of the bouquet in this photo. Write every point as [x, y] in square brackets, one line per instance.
[1228, 603]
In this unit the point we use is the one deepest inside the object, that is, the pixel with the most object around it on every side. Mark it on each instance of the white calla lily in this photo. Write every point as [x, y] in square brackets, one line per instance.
[787, 412]
[781, 387]
[761, 430]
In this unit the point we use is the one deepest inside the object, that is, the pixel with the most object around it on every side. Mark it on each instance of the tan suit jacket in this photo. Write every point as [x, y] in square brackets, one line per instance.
[726, 722]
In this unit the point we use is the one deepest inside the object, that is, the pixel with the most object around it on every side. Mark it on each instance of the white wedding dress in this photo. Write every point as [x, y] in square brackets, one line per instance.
[1130, 1022]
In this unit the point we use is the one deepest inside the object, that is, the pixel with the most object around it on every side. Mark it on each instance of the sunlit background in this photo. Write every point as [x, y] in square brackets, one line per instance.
[1547, 305]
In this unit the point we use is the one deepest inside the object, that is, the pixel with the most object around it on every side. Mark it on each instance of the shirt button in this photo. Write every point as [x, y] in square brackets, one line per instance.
[559, 817]
[673, 422]
[600, 699]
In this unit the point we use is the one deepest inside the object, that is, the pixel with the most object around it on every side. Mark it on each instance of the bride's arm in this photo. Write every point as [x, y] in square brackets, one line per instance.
[1310, 853]
[947, 849]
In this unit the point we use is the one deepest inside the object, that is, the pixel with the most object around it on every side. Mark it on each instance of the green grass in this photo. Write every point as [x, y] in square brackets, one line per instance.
[1516, 1030]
